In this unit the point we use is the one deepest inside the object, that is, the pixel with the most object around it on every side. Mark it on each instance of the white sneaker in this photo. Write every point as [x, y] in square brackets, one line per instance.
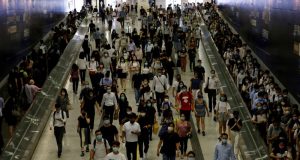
[145, 156]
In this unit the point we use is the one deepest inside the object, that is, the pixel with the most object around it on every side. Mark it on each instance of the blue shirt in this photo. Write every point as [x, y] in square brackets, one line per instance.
[224, 152]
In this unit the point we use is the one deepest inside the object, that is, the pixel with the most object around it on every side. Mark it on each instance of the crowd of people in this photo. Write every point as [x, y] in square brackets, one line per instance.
[27, 78]
[273, 113]
[150, 59]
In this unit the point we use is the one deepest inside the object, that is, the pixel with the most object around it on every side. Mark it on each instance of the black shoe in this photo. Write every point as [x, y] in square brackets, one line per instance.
[87, 149]
[215, 118]
[203, 133]
[82, 154]
[198, 131]
[59, 155]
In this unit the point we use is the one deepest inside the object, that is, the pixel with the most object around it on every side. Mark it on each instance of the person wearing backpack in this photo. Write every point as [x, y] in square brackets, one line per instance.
[101, 147]
[58, 122]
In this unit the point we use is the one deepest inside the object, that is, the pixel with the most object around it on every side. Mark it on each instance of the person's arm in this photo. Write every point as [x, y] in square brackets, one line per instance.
[158, 147]
[216, 157]
[98, 107]
[116, 134]
[115, 102]
[103, 99]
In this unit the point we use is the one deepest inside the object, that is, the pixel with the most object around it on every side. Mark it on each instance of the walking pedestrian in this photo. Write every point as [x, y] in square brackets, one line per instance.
[58, 122]
[224, 150]
[131, 131]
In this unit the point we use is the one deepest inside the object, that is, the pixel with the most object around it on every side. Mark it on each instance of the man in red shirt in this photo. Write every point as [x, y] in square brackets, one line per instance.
[185, 99]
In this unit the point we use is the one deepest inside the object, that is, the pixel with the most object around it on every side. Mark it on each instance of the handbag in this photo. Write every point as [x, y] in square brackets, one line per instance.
[155, 127]
[206, 87]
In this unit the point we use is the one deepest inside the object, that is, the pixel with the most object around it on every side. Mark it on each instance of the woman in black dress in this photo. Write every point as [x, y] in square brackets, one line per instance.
[10, 115]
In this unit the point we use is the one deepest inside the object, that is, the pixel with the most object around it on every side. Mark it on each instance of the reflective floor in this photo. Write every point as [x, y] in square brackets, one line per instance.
[47, 149]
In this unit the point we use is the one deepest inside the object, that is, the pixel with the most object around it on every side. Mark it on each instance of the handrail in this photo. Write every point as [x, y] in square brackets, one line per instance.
[255, 148]
[34, 122]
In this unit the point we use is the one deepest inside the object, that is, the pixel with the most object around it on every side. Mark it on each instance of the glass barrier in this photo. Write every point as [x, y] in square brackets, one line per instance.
[251, 144]
[30, 129]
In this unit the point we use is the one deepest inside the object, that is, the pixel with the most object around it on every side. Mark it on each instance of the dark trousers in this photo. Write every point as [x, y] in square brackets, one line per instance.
[187, 114]
[212, 93]
[109, 112]
[192, 64]
[59, 134]
[183, 144]
[92, 120]
[131, 149]
[150, 130]
[171, 75]
[143, 145]
[159, 99]
[82, 75]
[75, 82]
[97, 43]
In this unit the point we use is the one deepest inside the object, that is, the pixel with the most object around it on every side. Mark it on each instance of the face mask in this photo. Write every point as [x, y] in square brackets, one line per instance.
[278, 109]
[182, 118]
[143, 114]
[106, 55]
[222, 99]
[122, 98]
[106, 122]
[99, 138]
[129, 112]
[93, 59]
[149, 104]
[108, 91]
[170, 129]
[191, 158]
[183, 90]
[200, 96]
[115, 149]
[295, 118]
[166, 100]
[224, 141]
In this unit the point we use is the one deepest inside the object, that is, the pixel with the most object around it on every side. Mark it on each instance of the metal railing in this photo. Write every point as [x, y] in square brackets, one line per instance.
[251, 144]
[30, 129]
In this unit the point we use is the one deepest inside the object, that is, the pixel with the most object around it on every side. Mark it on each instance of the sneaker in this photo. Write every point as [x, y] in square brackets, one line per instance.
[82, 154]
[203, 133]
[198, 131]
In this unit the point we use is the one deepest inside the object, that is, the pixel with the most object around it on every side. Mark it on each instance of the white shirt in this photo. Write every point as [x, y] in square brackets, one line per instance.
[58, 120]
[100, 150]
[128, 128]
[222, 107]
[93, 65]
[159, 82]
[109, 99]
[112, 156]
[149, 47]
[81, 64]
[213, 83]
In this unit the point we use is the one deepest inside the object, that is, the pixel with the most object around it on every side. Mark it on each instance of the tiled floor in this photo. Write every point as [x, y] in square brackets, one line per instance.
[47, 150]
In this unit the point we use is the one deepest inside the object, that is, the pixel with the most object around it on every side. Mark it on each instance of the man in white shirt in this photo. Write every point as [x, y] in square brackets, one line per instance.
[159, 85]
[212, 84]
[109, 104]
[115, 154]
[131, 131]
[58, 121]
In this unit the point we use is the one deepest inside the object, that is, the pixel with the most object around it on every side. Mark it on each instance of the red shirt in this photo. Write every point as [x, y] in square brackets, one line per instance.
[185, 101]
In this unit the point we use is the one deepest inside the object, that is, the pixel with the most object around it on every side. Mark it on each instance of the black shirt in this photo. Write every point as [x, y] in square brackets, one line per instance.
[143, 121]
[137, 80]
[169, 144]
[233, 124]
[82, 122]
[109, 133]
[200, 71]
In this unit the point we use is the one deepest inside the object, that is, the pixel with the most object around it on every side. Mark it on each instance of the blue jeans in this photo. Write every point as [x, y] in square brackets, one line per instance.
[169, 157]
[137, 95]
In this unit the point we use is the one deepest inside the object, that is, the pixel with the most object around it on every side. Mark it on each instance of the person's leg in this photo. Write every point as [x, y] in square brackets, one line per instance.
[159, 98]
[73, 85]
[146, 143]
[150, 132]
[92, 119]
[214, 98]
[137, 95]
[210, 103]
[128, 150]
[185, 142]
[141, 142]
[111, 114]
[198, 123]
[134, 148]
[181, 145]
[202, 124]
[60, 138]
